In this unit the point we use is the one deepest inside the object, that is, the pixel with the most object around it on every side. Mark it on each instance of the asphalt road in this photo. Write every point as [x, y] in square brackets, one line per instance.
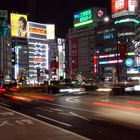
[94, 116]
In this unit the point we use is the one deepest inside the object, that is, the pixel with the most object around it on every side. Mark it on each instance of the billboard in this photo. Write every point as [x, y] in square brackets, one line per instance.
[41, 31]
[83, 17]
[18, 25]
[119, 5]
[89, 16]
[50, 31]
[124, 7]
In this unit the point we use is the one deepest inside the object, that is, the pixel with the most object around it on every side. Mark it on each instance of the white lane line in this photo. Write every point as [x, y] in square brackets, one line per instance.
[82, 117]
[52, 120]
[47, 124]
[62, 113]
[44, 109]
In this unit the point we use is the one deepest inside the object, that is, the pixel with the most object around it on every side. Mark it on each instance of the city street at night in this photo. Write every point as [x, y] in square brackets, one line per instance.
[70, 70]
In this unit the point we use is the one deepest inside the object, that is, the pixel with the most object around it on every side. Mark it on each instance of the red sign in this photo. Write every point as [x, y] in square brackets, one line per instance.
[95, 62]
[74, 44]
[119, 5]
[122, 50]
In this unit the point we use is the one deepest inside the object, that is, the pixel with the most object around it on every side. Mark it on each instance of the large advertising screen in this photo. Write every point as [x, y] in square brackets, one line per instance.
[18, 25]
[83, 17]
[124, 7]
[119, 5]
[41, 31]
[89, 16]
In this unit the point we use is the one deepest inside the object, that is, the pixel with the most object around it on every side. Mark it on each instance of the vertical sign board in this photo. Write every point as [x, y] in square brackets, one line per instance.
[3, 22]
[95, 63]
[61, 56]
[3, 17]
[74, 46]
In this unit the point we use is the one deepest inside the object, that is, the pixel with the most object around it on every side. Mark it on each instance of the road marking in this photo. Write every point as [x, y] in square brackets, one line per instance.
[7, 113]
[50, 109]
[82, 117]
[53, 120]
[44, 109]
[73, 101]
[65, 114]
[68, 107]
[3, 123]
[47, 124]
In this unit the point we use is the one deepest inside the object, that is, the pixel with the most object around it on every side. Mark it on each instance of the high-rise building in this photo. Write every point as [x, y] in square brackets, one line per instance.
[81, 42]
[117, 60]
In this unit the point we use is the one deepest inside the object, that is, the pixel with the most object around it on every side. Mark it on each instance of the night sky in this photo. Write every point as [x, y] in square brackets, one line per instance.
[58, 12]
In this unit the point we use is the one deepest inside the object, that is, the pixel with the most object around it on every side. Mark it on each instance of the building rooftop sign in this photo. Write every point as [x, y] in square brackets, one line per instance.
[83, 17]
[124, 7]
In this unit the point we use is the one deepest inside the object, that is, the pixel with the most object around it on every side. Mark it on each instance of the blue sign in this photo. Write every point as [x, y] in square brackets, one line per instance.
[129, 62]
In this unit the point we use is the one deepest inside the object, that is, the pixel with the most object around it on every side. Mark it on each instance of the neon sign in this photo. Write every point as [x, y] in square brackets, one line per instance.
[83, 18]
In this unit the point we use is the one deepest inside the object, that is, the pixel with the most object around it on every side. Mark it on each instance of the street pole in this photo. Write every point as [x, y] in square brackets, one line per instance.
[117, 45]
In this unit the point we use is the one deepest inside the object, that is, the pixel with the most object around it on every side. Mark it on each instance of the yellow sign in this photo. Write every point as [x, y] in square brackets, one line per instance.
[18, 25]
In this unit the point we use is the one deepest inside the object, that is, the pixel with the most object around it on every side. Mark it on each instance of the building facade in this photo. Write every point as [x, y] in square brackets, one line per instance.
[81, 42]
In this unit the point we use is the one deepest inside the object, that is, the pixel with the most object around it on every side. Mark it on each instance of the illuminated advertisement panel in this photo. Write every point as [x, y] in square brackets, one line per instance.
[132, 5]
[83, 18]
[37, 31]
[61, 56]
[18, 25]
[38, 56]
[119, 5]
[95, 63]
[50, 31]
[124, 7]
[41, 31]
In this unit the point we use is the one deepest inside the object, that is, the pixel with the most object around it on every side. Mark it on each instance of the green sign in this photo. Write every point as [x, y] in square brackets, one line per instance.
[83, 18]
[127, 20]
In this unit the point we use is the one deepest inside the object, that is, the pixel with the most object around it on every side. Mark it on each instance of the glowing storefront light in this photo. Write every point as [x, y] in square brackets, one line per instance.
[130, 53]
[110, 62]
[127, 20]
[114, 55]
